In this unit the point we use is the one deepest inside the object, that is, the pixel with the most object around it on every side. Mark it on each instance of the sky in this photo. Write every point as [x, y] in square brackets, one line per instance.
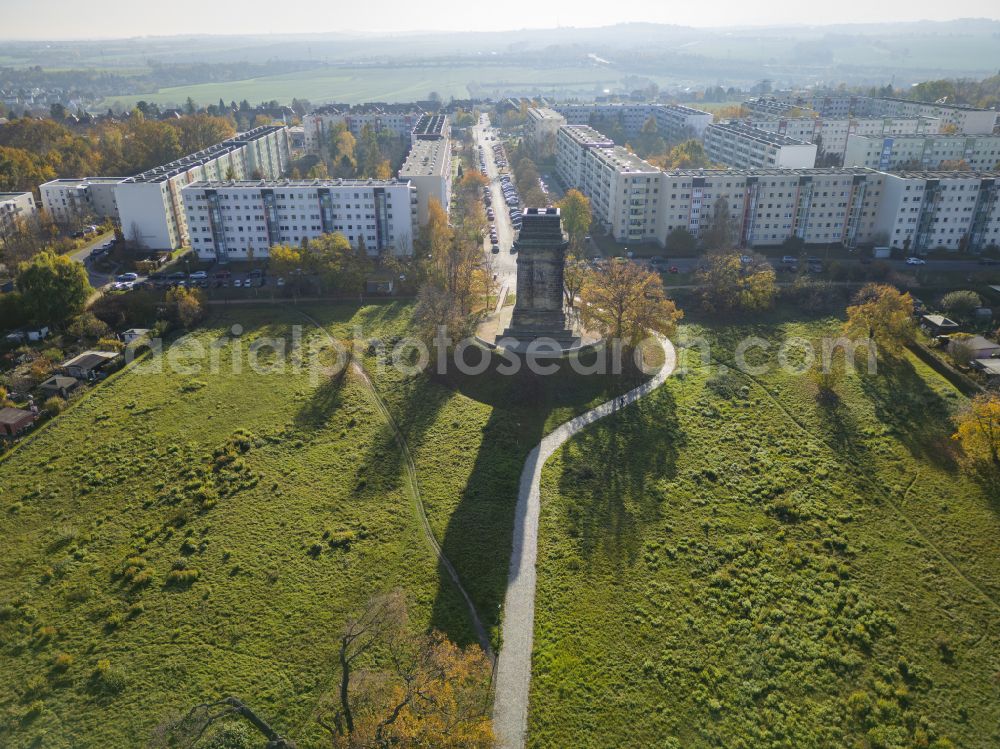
[72, 19]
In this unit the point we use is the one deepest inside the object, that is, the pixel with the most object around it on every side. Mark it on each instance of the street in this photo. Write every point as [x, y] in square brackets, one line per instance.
[504, 263]
[82, 256]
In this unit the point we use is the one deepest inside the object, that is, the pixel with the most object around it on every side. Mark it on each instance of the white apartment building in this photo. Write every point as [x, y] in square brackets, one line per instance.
[572, 144]
[399, 119]
[673, 121]
[14, 207]
[922, 211]
[967, 120]
[741, 146]
[923, 152]
[767, 206]
[428, 169]
[149, 205]
[74, 201]
[540, 130]
[624, 193]
[431, 127]
[241, 220]
[830, 135]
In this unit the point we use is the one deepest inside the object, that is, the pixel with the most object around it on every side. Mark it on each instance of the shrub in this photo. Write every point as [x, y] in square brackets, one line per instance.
[182, 578]
[62, 662]
[107, 679]
[54, 405]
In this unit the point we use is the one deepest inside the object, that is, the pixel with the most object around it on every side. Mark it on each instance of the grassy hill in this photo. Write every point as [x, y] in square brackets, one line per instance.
[732, 563]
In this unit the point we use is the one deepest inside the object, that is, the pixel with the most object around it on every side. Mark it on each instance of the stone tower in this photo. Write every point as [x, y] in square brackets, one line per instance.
[541, 258]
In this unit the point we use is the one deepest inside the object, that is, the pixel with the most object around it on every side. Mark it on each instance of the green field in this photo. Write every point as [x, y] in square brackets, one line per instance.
[732, 564]
[175, 538]
[354, 84]
[277, 490]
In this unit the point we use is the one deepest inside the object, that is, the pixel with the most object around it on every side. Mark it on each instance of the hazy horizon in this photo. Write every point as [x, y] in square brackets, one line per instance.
[62, 20]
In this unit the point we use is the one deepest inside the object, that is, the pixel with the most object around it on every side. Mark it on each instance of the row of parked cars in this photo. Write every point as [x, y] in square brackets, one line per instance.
[198, 279]
[499, 156]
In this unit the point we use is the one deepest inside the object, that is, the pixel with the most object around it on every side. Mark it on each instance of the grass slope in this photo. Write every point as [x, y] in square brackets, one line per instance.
[731, 564]
[285, 498]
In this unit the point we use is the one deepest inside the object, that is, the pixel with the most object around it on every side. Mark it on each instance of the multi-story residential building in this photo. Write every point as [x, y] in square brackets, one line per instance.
[768, 206]
[240, 220]
[149, 205]
[431, 127]
[15, 207]
[742, 146]
[540, 128]
[624, 193]
[73, 201]
[572, 144]
[673, 121]
[428, 168]
[967, 120]
[773, 109]
[399, 119]
[922, 211]
[830, 135]
[931, 152]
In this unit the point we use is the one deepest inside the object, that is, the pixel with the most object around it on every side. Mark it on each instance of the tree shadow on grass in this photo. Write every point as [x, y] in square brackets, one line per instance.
[609, 482]
[326, 399]
[916, 415]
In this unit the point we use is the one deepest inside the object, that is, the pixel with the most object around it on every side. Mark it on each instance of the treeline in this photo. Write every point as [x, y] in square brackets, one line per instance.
[34, 151]
[375, 155]
[984, 94]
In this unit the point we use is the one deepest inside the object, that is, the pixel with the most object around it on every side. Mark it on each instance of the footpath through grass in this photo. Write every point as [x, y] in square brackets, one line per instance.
[178, 537]
[731, 564]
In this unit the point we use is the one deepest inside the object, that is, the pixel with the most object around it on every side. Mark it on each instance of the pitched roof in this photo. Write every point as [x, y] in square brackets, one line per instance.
[14, 415]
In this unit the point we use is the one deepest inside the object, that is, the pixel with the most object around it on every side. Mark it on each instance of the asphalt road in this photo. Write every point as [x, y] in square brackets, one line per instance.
[504, 263]
[82, 256]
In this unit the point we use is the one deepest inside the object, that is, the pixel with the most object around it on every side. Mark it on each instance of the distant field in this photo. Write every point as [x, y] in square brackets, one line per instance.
[355, 85]
[732, 564]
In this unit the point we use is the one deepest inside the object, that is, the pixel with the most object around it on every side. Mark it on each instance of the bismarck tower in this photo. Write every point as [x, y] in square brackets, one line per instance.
[541, 257]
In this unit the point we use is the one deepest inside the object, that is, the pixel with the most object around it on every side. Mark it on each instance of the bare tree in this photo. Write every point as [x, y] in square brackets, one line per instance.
[193, 726]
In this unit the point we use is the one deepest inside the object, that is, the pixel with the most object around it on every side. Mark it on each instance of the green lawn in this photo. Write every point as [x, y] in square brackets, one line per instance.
[731, 564]
[283, 495]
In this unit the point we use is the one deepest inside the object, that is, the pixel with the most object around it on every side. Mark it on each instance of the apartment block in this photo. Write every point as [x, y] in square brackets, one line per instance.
[927, 210]
[149, 205]
[572, 144]
[540, 130]
[673, 121]
[431, 127]
[624, 193]
[830, 135]
[930, 152]
[241, 220]
[398, 119]
[742, 146]
[74, 201]
[966, 120]
[428, 169]
[767, 206]
[14, 207]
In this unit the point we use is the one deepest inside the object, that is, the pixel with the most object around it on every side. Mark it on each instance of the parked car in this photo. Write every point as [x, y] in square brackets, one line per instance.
[127, 277]
[237, 283]
[915, 261]
[199, 275]
[788, 259]
[177, 276]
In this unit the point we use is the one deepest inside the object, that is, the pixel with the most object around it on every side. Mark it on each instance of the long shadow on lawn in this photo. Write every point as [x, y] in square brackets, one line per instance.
[479, 533]
[919, 417]
[610, 474]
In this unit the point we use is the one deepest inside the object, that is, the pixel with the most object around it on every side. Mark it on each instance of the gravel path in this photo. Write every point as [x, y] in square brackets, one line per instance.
[513, 678]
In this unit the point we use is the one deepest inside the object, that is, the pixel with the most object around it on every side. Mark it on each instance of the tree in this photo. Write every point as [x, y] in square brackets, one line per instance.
[576, 219]
[185, 306]
[624, 301]
[650, 142]
[978, 428]
[961, 304]
[430, 692]
[730, 284]
[53, 288]
[718, 235]
[575, 275]
[681, 241]
[882, 314]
